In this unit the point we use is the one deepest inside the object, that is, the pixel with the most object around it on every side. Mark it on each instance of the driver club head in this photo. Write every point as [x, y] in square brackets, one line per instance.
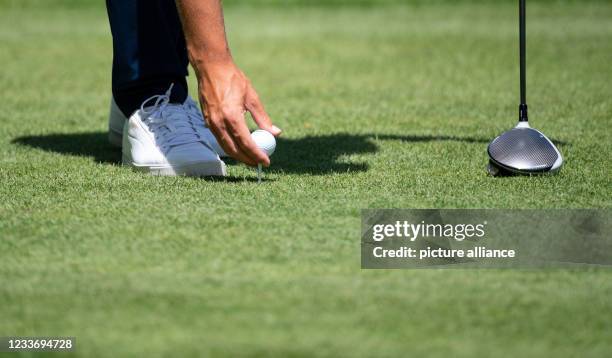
[523, 150]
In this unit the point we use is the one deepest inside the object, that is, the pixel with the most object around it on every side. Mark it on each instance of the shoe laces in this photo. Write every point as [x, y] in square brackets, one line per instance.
[173, 124]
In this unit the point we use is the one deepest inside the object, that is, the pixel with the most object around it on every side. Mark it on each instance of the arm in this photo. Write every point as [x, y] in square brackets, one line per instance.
[225, 92]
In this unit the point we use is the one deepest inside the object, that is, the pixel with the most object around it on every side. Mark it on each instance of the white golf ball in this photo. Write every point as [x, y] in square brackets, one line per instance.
[264, 140]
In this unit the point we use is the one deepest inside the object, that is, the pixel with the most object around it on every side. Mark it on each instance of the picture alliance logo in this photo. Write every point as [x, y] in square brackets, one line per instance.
[412, 232]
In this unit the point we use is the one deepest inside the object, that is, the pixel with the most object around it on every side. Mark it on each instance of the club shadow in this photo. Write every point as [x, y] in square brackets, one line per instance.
[313, 155]
[322, 154]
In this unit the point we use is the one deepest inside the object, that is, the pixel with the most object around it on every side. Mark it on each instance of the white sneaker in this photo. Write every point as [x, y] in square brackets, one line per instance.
[169, 139]
[116, 122]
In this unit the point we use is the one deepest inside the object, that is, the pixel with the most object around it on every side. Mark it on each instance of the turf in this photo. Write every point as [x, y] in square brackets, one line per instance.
[388, 106]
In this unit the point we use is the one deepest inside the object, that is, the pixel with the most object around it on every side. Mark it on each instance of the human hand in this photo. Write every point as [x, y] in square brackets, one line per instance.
[226, 94]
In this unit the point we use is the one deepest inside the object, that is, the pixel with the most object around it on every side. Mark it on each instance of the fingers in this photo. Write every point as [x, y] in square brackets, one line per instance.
[229, 146]
[255, 107]
[246, 144]
[234, 137]
[226, 95]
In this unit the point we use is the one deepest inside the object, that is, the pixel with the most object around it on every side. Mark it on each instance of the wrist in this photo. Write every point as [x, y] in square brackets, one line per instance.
[201, 60]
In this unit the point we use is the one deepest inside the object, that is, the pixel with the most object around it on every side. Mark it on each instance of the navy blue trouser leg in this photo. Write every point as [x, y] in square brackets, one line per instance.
[149, 51]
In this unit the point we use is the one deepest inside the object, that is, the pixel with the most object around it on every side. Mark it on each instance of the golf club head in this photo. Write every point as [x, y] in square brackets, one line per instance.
[523, 150]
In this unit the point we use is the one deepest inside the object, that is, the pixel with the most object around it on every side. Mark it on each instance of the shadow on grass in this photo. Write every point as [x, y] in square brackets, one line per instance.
[315, 155]
[237, 180]
[320, 155]
[91, 144]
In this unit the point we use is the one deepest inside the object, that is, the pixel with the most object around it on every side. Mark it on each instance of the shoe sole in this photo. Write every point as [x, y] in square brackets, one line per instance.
[198, 169]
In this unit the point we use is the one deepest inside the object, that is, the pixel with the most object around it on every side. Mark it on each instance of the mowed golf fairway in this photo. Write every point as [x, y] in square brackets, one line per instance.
[382, 106]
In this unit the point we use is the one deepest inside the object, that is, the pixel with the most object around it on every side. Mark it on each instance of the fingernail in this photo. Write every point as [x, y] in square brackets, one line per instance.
[276, 130]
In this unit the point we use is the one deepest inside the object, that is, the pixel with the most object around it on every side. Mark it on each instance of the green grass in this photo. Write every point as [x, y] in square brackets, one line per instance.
[388, 107]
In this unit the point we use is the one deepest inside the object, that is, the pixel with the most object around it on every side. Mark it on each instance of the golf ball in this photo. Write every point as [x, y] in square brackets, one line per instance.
[264, 140]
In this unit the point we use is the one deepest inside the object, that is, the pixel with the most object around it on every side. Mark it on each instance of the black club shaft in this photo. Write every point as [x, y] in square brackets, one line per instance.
[523, 65]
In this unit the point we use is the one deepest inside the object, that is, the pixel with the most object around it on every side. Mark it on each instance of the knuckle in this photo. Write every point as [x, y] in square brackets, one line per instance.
[213, 120]
[232, 120]
[230, 111]
[253, 102]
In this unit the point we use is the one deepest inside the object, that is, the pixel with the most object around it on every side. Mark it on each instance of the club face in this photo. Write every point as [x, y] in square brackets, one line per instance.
[523, 150]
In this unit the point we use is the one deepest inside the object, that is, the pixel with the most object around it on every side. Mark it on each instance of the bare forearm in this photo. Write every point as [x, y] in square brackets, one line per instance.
[204, 29]
[225, 92]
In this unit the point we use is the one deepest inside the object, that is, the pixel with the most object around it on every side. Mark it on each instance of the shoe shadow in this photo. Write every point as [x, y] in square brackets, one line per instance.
[314, 155]
[89, 144]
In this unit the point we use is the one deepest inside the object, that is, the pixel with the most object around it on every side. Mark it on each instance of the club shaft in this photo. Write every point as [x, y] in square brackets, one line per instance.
[523, 117]
[523, 50]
